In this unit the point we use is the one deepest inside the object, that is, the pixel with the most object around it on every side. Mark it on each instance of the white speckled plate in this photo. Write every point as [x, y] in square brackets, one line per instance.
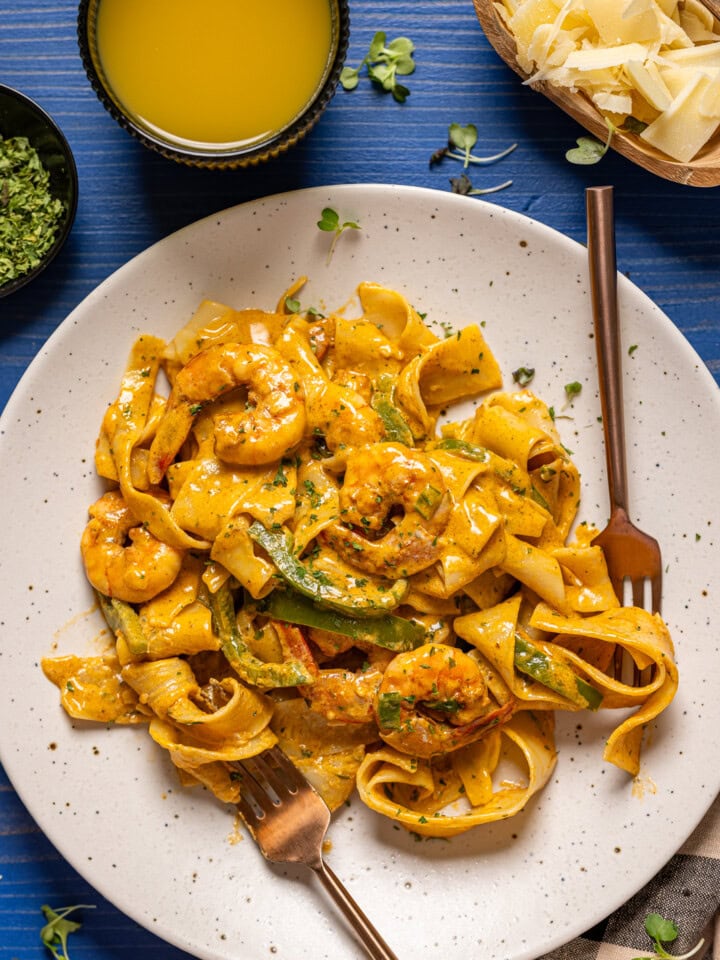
[108, 799]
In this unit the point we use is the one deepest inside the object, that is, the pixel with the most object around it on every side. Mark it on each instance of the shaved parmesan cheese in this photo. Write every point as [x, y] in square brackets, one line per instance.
[647, 80]
[600, 58]
[695, 29]
[657, 61]
[707, 55]
[677, 78]
[693, 8]
[624, 21]
[613, 103]
[682, 131]
[672, 33]
[709, 105]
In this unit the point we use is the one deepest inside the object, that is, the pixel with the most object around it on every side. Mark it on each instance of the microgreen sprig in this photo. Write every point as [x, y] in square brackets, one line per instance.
[589, 150]
[385, 62]
[662, 931]
[56, 931]
[330, 222]
[464, 186]
[461, 140]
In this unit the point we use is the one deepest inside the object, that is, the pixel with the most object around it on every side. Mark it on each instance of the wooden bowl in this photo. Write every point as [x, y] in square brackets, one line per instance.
[703, 171]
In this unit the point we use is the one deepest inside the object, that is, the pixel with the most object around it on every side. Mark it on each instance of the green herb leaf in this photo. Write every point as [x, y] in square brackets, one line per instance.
[573, 389]
[633, 125]
[56, 931]
[464, 138]
[663, 931]
[376, 46]
[388, 711]
[463, 185]
[400, 93]
[349, 77]
[329, 219]
[330, 223]
[523, 375]
[660, 929]
[589, 150]
[383, 63]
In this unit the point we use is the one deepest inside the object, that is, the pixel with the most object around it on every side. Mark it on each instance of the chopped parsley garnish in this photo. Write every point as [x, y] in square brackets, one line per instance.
[29, 214]
[523, 375]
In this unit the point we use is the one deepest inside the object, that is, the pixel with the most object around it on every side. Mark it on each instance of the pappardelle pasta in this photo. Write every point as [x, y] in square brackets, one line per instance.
[294, 549]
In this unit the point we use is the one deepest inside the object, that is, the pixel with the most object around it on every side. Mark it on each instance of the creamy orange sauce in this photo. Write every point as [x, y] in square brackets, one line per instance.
[222, 72]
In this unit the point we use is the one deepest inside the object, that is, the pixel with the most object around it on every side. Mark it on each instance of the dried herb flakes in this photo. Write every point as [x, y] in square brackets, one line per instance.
[29, 214]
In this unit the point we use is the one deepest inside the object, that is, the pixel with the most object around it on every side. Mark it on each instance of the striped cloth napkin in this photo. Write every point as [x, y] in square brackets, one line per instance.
[686, 891]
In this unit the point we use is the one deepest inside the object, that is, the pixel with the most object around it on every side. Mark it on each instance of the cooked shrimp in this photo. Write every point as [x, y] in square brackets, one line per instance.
[379, 478]
[338, 413]
[136, 571]
[272, 423]
[433, 700]
[346, 696]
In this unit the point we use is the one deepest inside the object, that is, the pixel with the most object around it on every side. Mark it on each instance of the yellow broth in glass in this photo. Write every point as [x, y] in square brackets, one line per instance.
[214, 73]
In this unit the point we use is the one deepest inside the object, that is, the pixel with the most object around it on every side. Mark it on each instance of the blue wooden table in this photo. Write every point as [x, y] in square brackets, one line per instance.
[129, 198]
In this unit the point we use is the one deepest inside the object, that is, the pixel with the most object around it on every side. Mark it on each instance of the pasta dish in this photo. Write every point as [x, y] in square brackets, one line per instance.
[299, 545]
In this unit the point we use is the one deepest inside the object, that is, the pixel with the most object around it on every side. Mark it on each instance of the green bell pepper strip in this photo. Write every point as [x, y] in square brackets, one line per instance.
[122, 618]
[463, 448]
[554, 674]
[247, 666]
[426, 503]
[471, 451]
[373, 601]
[392, 633]
[383, 403]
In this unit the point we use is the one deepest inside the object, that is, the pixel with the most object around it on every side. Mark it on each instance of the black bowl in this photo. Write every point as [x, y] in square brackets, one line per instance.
[22, 117]
[204, 155]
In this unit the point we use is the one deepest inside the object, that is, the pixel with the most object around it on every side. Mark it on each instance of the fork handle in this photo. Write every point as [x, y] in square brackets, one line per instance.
[603, 285]
[365, 931]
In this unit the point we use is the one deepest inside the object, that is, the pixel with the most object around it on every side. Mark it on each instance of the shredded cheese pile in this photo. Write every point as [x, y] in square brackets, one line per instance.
[657, 61]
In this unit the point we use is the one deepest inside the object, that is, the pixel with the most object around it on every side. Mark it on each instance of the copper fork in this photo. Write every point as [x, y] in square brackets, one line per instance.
[288, 820]
[631, 555]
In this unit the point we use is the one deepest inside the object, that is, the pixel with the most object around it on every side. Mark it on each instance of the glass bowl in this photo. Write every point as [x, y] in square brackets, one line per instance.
[209, 154]
[22, 117]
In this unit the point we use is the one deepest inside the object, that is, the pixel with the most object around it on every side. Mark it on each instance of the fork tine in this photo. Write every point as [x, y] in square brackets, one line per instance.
[251, 809]
[266, 778]
[285, 769]
[656, 590]
[638, 593]
[254, 786]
